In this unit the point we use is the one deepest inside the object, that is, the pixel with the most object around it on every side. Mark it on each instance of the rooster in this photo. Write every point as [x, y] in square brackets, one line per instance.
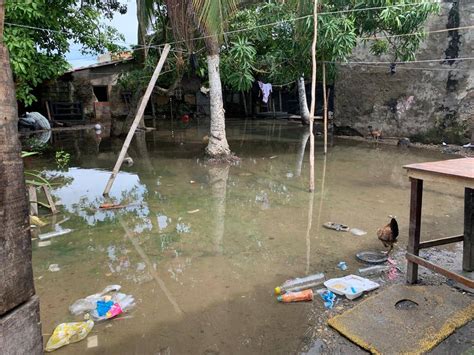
[388, 234]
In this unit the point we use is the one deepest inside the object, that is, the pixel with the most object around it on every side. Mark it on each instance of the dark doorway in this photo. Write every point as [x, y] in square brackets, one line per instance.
[101, 93]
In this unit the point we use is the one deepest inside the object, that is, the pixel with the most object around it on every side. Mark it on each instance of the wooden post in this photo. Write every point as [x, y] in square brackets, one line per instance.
[325, 114]
[468, 243]
[138, 118]
[33, 200]
[279, 100]
[313, 98]
[48, 112]
[245, 104]
[50, 200]
[416, 197]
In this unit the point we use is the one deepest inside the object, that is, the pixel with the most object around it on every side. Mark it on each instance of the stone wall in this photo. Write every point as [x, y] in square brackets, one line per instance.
[415, 101]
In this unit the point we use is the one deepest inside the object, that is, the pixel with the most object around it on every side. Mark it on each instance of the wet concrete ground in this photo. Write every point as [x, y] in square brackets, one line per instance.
[202, 246]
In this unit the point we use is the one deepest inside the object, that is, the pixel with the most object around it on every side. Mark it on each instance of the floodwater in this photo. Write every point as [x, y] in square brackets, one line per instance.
[202, 246]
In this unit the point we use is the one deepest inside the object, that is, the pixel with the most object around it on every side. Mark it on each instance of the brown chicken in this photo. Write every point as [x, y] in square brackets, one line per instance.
[388, 234]
[375, 133]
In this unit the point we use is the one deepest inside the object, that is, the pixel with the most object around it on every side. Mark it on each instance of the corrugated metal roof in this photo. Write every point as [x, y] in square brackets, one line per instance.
[97, 65]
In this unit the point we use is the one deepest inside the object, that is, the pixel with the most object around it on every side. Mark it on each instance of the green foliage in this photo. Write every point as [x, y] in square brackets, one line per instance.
[36, 54]
[283, 49]
[392, 22]
[237, 64]
[62, 159]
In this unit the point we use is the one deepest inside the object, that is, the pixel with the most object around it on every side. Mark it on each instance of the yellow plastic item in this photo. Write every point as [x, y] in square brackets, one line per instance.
[277, 290]
[37, 221]
[66, 333]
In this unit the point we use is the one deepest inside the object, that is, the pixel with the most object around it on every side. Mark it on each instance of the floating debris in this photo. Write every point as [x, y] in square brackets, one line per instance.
[194, 211]
[54, 268]
[53, 234]
[44, 244]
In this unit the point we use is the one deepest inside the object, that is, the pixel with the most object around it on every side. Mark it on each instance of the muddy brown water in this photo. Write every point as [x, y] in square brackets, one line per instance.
[202, 246]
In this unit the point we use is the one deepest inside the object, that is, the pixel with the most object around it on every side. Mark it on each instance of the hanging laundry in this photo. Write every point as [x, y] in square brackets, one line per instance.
[266, 90]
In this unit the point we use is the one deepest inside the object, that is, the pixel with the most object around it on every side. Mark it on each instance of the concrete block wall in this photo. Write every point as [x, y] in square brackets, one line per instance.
[414, 100]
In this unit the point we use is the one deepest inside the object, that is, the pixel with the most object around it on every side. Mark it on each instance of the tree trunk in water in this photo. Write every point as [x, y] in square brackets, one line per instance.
[218, 145]
[325, 111]
[299, 159]
[19, 308]
[313, 97]
[134, 104]
[304, 111]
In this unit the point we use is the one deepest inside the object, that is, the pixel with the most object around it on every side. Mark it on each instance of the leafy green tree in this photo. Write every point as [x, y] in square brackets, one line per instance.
[39, 33]
[282, 50]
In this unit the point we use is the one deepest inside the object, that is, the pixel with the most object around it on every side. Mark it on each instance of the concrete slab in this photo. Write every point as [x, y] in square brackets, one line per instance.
[381, 327]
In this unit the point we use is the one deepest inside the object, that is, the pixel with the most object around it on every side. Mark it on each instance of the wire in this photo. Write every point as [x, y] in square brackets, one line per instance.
[417, 33]
[244, 29]
[404, 62]
[413, 68]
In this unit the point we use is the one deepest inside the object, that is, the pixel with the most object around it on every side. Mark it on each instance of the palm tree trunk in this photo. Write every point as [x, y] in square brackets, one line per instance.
[304, 111]
[16, 272]
[218, 145]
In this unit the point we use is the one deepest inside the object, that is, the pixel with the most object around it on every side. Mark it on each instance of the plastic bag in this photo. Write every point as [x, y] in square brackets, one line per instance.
[121, 302]
[88, 304]
[66, 333]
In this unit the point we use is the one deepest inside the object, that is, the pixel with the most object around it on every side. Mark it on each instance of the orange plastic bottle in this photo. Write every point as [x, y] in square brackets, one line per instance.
[306, 295]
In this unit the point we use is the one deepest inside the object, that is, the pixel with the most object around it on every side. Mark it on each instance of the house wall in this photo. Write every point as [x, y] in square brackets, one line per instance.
[414, 101]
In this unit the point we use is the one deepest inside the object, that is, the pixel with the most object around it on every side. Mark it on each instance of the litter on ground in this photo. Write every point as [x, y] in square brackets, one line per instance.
[351, 286]
[336, 226]
[67, 333]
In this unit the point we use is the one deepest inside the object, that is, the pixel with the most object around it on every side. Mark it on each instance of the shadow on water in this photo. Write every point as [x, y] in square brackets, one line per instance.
[201, 246]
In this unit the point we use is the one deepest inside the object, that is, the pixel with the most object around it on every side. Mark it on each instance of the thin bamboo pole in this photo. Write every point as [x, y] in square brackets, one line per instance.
[138, 118]
[325, 110]
[313, 98]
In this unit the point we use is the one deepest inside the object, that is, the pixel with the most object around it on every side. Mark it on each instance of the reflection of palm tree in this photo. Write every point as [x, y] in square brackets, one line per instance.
[218, 176]
[299, 159]
[142, 151]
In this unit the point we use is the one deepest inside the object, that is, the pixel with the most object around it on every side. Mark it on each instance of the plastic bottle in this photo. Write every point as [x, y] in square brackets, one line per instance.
[306, 295]
[373, 270]
[300, 284]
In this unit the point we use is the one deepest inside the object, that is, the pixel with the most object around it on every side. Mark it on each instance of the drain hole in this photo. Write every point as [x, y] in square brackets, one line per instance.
[406, 304]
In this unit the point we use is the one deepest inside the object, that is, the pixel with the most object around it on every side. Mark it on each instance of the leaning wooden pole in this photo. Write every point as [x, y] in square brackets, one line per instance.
[325, 110]
[313, 98]
[138, 118]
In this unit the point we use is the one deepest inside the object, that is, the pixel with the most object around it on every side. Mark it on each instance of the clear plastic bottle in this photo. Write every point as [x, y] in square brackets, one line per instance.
[373, 270]
[300, 284]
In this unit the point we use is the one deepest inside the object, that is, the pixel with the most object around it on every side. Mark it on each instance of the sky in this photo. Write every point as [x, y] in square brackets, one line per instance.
[125, 24]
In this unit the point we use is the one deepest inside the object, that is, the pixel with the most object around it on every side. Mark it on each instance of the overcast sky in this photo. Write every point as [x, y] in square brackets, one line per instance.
[125, 24]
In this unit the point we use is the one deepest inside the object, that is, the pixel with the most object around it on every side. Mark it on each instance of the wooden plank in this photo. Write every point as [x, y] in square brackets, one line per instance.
[33, 200]
[468, 244]
[463, 167]
[440, 178]
[441, 241]
[20, 329]
[413, 247]
[138, 118]
[51, 203]
[438, 269]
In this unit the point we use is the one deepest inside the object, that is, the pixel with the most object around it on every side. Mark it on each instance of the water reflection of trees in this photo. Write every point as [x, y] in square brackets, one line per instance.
[218, 176]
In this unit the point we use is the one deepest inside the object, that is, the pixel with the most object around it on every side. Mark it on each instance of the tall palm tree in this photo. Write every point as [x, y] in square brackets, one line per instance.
[209, 18]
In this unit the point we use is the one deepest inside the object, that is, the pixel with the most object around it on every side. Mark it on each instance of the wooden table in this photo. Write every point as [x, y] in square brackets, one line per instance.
[458, 172]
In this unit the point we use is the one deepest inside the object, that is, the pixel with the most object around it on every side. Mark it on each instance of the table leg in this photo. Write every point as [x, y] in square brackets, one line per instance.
[468, 244]
[416, 197]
